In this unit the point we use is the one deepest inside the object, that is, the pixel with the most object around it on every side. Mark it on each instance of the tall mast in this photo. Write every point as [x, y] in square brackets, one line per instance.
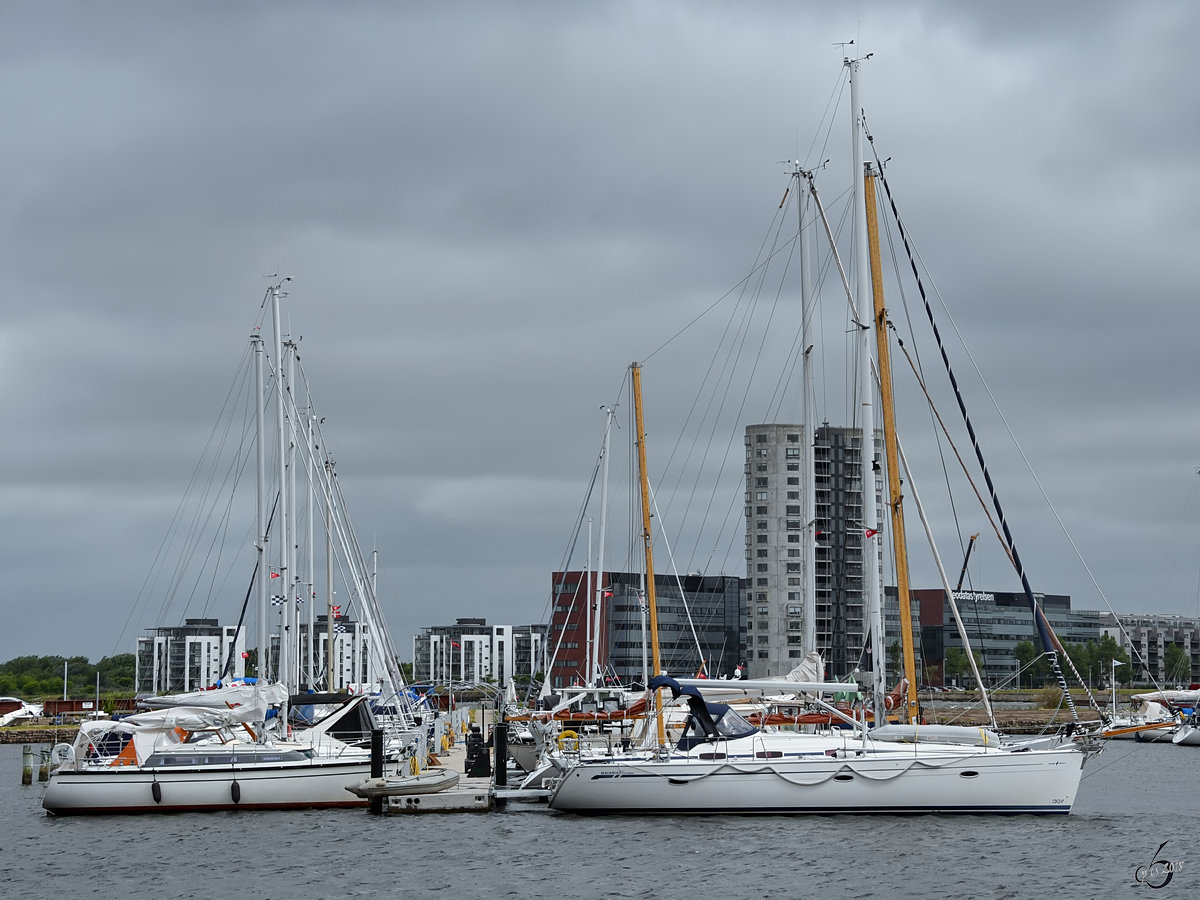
[594, 672]
[327, 474]
[891, 449]
[809, 435]
[284, 661]
[589, 653]
[264, 577]
[647, 539]
[872, 592]
[292, 585]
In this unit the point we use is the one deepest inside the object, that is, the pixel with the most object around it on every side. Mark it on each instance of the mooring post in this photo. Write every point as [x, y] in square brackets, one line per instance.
[27, 764]
[500, 742]
[377, 766]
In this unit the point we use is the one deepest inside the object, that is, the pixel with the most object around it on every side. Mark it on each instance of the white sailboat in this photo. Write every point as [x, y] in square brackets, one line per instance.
[235, 747]
[724, 764]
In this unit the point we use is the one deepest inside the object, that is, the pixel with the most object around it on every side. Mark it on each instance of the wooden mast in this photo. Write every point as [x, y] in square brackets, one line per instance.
[647, 539]
[892, 454]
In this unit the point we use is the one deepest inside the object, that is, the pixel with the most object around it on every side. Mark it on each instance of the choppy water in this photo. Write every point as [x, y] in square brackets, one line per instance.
[1133, 797]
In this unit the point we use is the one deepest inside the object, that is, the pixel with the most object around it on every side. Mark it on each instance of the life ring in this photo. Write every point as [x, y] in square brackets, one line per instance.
[567, 737]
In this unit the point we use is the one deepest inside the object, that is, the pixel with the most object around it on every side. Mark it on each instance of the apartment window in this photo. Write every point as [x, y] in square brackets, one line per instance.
[762, 598]
[793, 467]
[793, 510]
[793, 524]
[760, 482]
[760, 467]
[761, 538]
[793, 438]
[760, 510]
[795, 654]
[793, 495]
[761, 451]
[761, 567]
[793, 538]
[763, 654]
[792, 452]
[793, 479]
[762, 582]
[795, 639]
[793, 551]
[760, 495]
[761, 523]
[762, 638]
[762, 610]
[794, 610]
[793, 625]
[793, 567]
[760, 438]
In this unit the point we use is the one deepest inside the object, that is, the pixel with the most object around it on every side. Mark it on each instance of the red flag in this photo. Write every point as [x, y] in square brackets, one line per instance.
[274, 574]
[245, 654]
[454, 644]
[871, 532]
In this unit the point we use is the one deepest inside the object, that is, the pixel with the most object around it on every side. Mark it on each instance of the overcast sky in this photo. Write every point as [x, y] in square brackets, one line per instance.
[490, 209]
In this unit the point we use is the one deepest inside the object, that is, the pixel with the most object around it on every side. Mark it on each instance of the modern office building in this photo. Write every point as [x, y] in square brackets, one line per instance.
[471, 651]
[995, 622]
[773, 642]
[698, 619]
[187, 657]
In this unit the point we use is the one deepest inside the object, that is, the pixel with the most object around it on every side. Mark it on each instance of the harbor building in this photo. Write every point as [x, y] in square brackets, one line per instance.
[774, 605]
[186, 657]
[471, 651]
[698, 618]
[1148, 637]
[190, 657]
[356, 663]
[995, 622]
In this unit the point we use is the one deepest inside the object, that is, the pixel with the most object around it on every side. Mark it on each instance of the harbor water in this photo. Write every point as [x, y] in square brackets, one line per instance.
[1133, 798]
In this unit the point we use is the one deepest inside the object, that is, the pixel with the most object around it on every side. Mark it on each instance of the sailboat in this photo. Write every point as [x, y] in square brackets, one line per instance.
[722, 763]
[236, 747]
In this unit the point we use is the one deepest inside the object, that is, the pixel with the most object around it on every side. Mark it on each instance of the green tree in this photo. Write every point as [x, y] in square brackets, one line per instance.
[1033, 666]
[1178, 665]
[958, 665]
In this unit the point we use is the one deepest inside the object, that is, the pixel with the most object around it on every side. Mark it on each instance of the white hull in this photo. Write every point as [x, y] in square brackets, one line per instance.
[949, 781]
[1157, 735]
[132, 790]
[1186, 736]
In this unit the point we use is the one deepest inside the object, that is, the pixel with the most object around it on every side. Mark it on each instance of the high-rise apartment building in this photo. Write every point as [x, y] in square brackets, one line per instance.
[775, 603]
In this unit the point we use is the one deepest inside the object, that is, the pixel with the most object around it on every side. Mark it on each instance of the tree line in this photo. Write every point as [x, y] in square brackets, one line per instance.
[1093, 661]
[41, 677]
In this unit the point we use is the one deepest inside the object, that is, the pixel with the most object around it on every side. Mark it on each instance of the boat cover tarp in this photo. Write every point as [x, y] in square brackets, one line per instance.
[937, 734]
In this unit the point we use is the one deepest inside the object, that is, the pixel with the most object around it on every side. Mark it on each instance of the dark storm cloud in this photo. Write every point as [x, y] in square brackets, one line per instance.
[489, 210]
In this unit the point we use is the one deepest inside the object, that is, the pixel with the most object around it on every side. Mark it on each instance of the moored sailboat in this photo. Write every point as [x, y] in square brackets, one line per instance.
[238, 746]
[723, 763]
